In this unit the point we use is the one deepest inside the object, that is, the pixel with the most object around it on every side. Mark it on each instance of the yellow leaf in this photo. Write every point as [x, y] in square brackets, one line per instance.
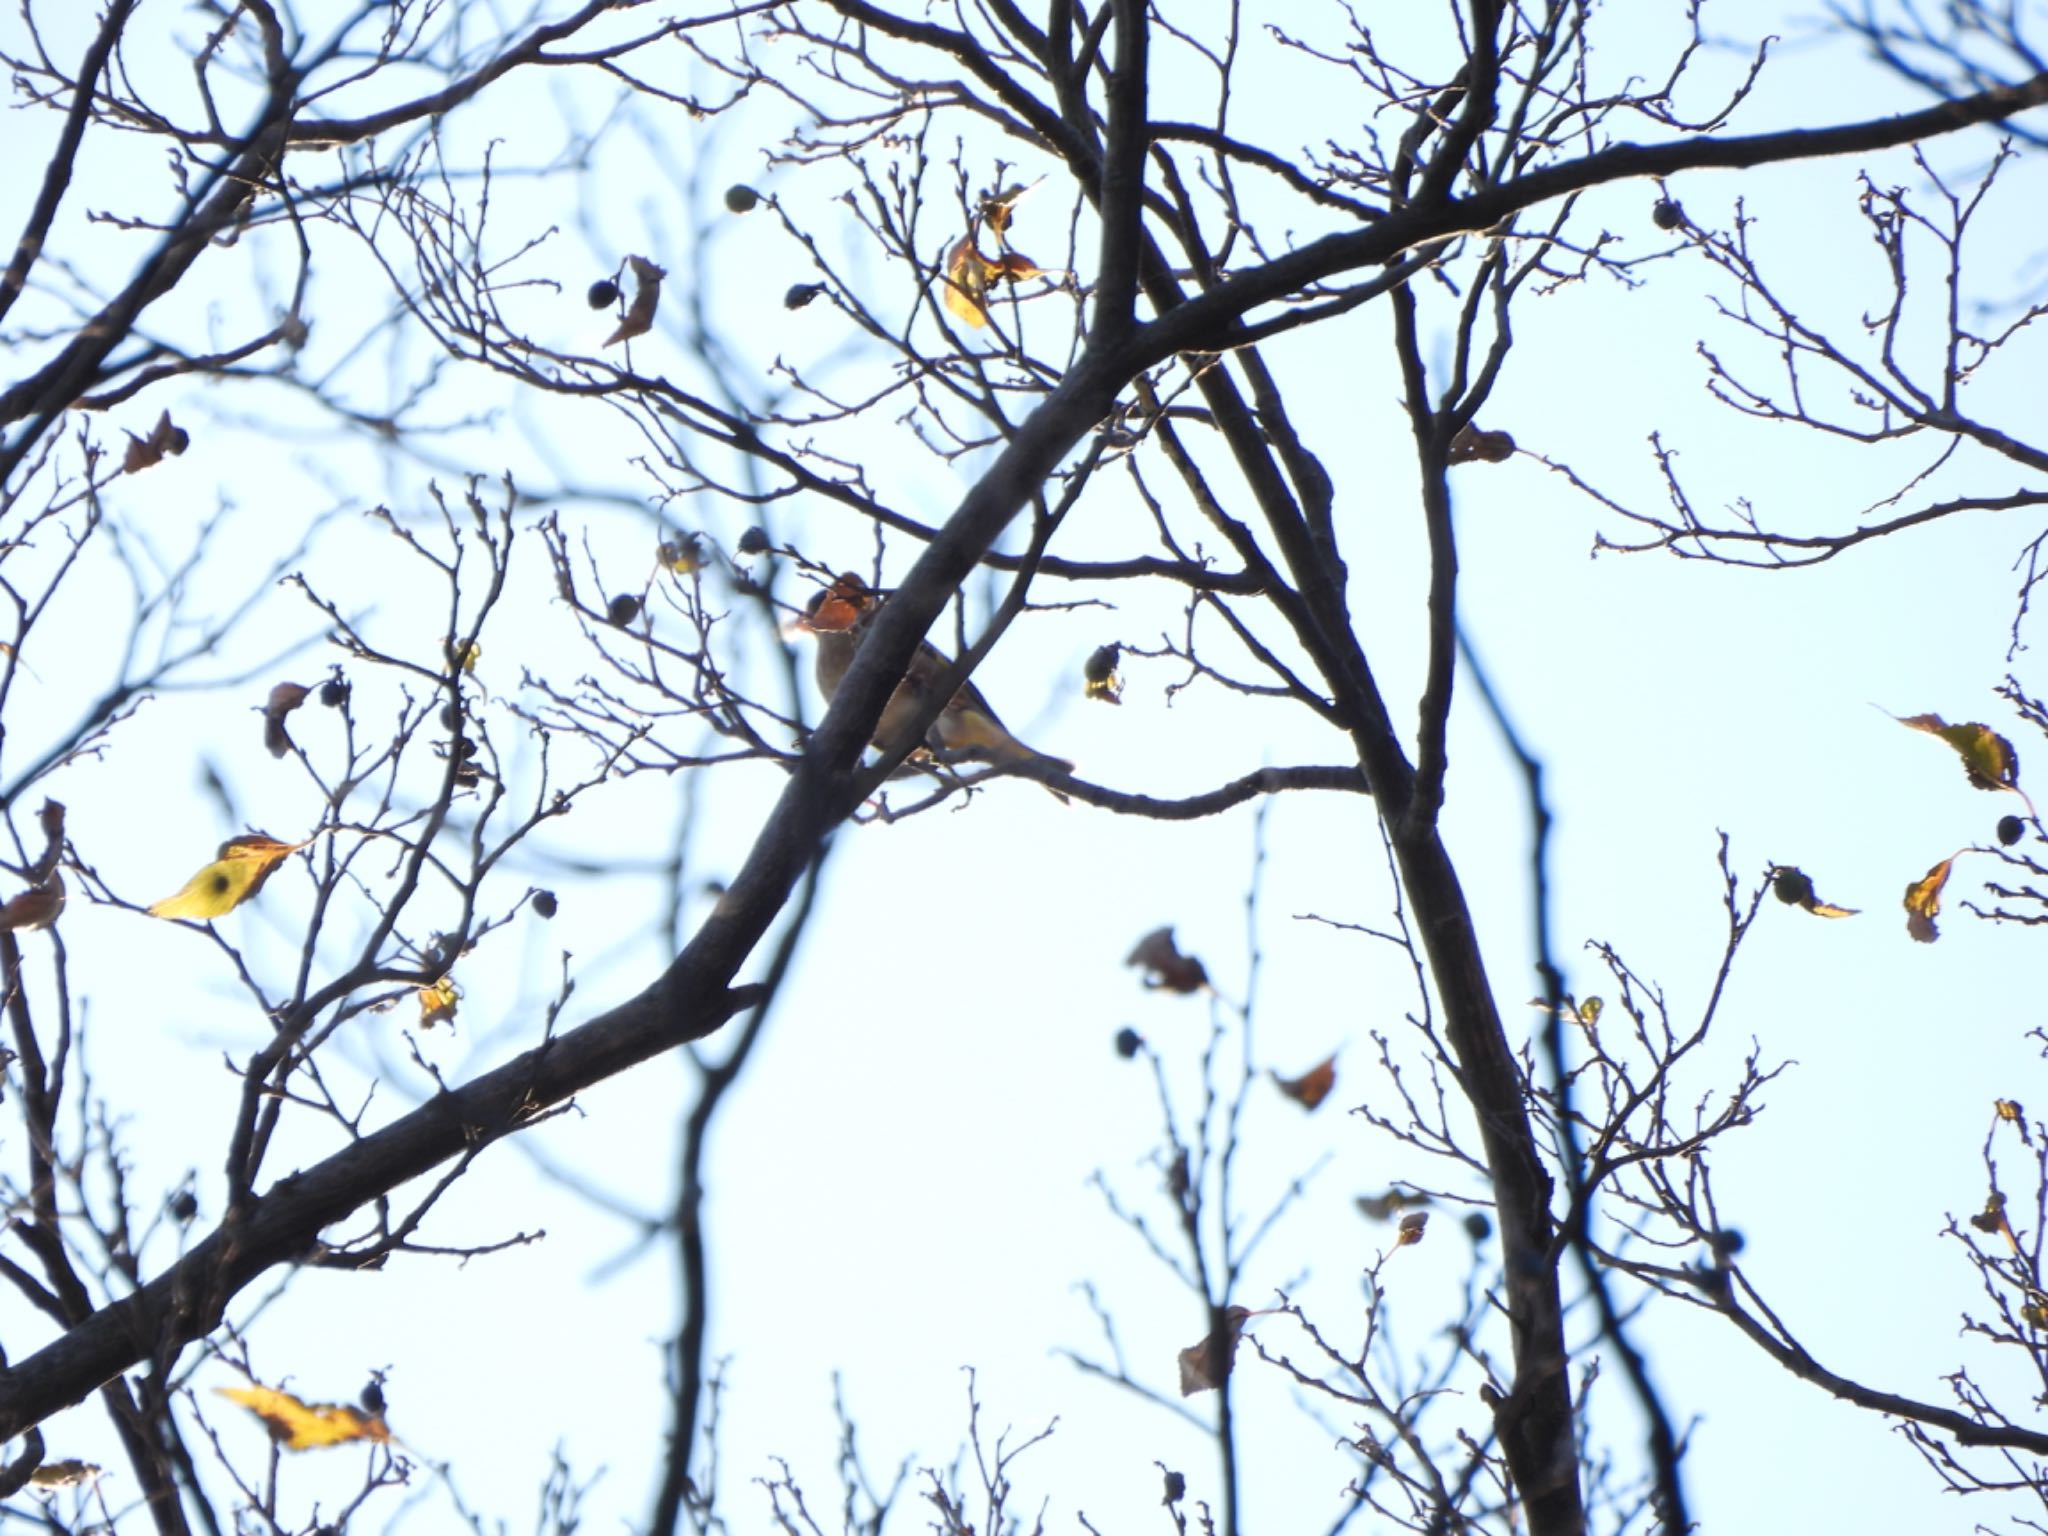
[301, 1426]
[1793, 887]
[1923, 902]
[1988, 758]
[437, 1003]
[967, 275]
[1100, 678]
[231, 879]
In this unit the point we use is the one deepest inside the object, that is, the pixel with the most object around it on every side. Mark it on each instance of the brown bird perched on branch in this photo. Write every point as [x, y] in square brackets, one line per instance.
[966, 727]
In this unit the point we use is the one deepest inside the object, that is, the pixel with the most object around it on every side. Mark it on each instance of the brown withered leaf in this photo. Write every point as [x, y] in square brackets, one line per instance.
[1204, 1365]
[1486, 447]
[164, 437]
[1313, 1086]
[1411, 1229]
[51, 819]
[1989, 760]
[1384, 1207]
[37, 907]
[1923, 902]
[1099, 675]
[639, 317]
[284, 698]
[1165, 966]
[1793, 887]
[2009, 1110]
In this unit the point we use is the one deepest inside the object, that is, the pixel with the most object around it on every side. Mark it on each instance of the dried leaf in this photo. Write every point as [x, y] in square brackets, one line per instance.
[967, 277]
[143, 452]
[437, 1003]
[1313, 1086]
[998, 208]
[639, 317]
[1992, 1219]
[1014, 267]
[1411, 1229]
[51, 819]
[1988, 758]
[466, 659]
[231, 879]
[1203, 1366]
[1487, 447]
[1383, 1207]
[300, 1426]
[1100, 677]
[1923, 902]
[1795, 889]
[1590, 1011]
[284, 698]
[37, 907]
[52, 1475]
[2009, 1110]
[2034, 1313]
[1165, 966]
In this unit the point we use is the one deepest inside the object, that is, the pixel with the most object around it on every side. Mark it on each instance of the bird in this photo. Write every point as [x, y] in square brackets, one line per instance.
[967, 727]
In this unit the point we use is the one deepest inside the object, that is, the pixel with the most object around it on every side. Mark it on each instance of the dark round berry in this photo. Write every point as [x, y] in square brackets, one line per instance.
[2010, 830]
[1477, 1227]
[372, 1398]
[334, 693]
[1666, 214]
[754, 541]
[184, 1206]
[741, 198]
[1129, 1042]
[622, 609]
[1726, 1244]
[543, 904]
[604, 293]
[451, 717]
[801, 294]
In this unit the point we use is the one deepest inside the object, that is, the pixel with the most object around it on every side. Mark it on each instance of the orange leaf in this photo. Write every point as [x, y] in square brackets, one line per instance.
[1313, 1086]
[301, 1426]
